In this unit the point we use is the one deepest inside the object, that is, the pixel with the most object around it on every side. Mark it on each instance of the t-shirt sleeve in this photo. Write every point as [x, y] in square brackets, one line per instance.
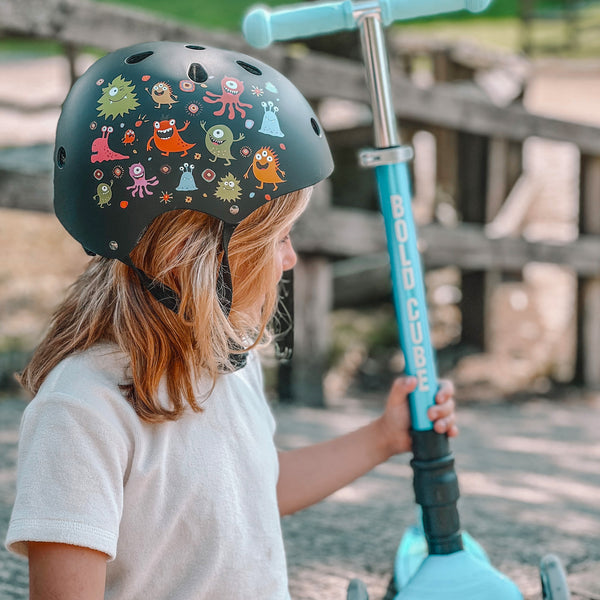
[71, 468]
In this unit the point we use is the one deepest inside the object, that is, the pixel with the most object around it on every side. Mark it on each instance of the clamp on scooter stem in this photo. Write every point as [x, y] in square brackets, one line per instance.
[263, 25]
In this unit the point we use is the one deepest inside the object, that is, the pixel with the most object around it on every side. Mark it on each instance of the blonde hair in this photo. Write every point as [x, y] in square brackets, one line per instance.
[183, 250]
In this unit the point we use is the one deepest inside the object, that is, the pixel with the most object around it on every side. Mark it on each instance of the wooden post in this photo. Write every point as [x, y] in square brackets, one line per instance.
[587, 363]
[472, 182]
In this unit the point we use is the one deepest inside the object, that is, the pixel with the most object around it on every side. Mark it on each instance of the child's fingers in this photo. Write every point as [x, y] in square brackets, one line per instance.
[404, 385]
[442, 410]
[445, 391]
[446, 425]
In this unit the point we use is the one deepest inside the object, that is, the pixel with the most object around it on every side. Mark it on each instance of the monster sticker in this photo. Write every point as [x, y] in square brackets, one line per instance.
[186, 183]
[167, 139]
[100, 149]
[231, 90]
[229, 189]
[104, 195]
[118, 98]
[140, 183]
[270, 123]
[128, 138]
[162, 94]
[218, 140]
[265, 167]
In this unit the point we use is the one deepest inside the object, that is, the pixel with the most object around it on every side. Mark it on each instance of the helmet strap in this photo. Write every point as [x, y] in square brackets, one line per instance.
[163, 293]
[283, 323]
[224, 283]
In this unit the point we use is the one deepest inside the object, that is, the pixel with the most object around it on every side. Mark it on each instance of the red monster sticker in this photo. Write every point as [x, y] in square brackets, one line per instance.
[167, 139]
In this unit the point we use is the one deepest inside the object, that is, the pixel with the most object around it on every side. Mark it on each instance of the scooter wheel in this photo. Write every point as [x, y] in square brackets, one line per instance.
[554, 579]
[357, 590]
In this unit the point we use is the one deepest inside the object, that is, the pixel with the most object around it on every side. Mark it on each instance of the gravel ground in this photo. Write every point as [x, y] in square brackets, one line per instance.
[530, 484]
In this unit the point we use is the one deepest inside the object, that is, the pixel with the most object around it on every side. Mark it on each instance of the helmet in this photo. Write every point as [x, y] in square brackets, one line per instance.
[162, 126]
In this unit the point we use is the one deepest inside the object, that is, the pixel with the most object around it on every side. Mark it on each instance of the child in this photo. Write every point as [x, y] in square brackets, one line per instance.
[147, 467]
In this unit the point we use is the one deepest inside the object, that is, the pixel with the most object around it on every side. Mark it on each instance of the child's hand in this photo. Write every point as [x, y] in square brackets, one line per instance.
[395, 421]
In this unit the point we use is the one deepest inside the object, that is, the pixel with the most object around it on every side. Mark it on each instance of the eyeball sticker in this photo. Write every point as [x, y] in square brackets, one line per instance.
[208, 175]
[185, 85]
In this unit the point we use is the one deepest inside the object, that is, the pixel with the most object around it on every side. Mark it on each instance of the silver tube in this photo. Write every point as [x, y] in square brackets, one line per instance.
[378, 79]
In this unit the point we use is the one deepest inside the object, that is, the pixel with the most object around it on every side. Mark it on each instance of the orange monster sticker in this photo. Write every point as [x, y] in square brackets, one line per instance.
[265, 167]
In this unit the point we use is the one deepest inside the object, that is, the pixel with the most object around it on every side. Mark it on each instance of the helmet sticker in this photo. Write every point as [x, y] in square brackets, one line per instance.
[162, 94]
[100, 150]
[229, 188]
[118, 98]
[208, 175]
[186, 183]
[265, 167]
[218, 140]
[140, 183]
[128, 138]
[104, 194]
[167, 139]
[270, 124]
[230, 97]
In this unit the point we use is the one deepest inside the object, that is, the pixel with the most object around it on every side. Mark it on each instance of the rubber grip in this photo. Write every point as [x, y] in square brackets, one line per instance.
[402, 10]
[262, 26]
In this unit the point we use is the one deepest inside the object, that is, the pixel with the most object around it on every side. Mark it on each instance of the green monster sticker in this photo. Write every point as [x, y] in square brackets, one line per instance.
[104, 195]
[118, 98]
[218, 140]
[229, 189]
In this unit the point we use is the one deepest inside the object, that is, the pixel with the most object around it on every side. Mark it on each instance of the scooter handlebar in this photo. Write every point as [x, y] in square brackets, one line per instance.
[262, 25]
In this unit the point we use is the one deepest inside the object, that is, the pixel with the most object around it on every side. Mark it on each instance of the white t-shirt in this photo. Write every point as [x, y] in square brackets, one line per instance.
[184, 509]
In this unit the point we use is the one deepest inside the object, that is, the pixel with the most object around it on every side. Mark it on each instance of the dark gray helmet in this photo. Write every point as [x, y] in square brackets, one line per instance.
[162, 126]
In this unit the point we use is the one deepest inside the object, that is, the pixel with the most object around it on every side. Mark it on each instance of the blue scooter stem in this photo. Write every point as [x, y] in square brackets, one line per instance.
[409, 291]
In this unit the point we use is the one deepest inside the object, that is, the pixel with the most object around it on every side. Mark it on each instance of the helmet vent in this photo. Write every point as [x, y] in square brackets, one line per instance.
[197, 73]
[192, 47]
[139, 57]
[250, 68]
[61, 157]
[315, 126]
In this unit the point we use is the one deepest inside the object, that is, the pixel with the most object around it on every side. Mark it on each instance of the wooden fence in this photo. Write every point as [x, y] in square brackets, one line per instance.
[481, 143]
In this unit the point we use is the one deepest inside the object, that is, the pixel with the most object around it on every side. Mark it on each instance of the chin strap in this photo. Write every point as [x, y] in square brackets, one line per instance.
[169, 298]
[283, 324]
[224, 284]
[163, 293]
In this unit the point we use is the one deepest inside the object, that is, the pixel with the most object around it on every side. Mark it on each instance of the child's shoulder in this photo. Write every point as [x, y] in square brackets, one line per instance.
[89, 379]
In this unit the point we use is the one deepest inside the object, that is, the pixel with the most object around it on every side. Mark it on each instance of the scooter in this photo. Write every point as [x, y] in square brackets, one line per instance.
[435, 559]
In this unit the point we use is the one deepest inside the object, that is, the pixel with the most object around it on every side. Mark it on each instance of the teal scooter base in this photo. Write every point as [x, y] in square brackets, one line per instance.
[413, 550]
[458, 576]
